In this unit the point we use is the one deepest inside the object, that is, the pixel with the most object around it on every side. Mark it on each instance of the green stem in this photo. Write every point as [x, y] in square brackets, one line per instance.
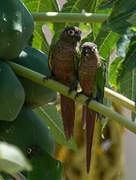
[70, 17]
[40, 79]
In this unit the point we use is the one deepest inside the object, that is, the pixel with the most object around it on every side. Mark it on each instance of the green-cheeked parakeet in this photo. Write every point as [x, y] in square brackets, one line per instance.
[92, 79]
[62, 63]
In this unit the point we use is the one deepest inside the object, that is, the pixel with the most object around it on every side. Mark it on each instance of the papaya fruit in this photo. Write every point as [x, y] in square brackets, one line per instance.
[27, 131]
[36, 60]
[12, 94]
[16, 28]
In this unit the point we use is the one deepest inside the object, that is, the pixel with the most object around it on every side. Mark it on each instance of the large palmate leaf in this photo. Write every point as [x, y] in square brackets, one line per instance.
[52, 118]
[127, 74]
[40, 5]
[39, 41]
[123, 16]
[94, 27]
[113, 72]
[103, 37]
[77, 5]
[106, 4]
[73, 6]
[123, 42]
[106, 41]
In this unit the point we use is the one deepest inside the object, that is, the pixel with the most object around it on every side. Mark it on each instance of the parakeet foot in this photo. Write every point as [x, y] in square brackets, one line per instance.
[100, 116]
[73, 87]
[90, 99]
[78, 94]
[50, 77]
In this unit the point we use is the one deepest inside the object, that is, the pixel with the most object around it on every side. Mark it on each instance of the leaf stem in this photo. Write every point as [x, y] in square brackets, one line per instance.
[69, 17]
[40, 79]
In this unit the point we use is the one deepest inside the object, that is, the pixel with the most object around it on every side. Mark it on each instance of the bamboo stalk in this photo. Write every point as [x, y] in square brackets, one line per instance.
[70, 17]
[40, 79]
[120, 99]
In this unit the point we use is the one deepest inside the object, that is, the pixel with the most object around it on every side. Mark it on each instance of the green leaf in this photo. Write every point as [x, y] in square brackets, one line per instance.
[127, 78]
[94, 27]
[56, 6]
[113, 71]
[127, 73]
[132, 19]
[106, 4]
[39, 40]
[73, 6]
[1, 178]
[78, 6]
[45, 168]
[106, 41]
[123, 42]
[11, 159]
[122, 16]
[52, 118]
[38, 5]
[103, 37]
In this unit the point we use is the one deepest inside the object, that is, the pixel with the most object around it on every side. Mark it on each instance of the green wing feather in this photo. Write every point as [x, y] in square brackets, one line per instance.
[100, 81]
[50, 58]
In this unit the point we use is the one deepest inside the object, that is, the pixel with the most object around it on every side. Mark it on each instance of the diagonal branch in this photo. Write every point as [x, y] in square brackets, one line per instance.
[39, 78]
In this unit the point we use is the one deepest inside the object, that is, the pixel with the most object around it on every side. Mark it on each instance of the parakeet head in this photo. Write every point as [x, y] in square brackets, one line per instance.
[71, 34]
[89, 49]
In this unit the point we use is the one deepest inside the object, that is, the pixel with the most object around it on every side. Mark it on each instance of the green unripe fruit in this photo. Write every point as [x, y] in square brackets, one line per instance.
[16, 28]
[36, 95]
[27, 131]
[12, 94]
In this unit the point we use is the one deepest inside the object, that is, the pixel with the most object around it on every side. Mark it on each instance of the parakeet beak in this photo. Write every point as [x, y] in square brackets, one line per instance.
[86, 52]
[78, 37]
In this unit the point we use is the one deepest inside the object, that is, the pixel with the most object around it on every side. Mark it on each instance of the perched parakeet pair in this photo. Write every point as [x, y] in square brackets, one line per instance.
[90, 74]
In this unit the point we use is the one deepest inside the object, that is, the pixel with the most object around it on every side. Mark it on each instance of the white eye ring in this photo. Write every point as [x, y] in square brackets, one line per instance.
[71, 32]
[94, 49]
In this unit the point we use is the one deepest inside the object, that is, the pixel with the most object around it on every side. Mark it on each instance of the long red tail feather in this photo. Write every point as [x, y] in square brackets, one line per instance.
[68, 115]
[90, 123]
[84, 117]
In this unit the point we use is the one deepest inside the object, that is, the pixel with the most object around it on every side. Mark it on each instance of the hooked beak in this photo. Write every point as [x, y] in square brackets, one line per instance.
[78, 37]
[86, 52]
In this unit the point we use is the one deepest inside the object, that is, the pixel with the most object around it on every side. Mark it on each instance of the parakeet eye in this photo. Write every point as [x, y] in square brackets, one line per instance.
[94, 49]
[71, 32]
